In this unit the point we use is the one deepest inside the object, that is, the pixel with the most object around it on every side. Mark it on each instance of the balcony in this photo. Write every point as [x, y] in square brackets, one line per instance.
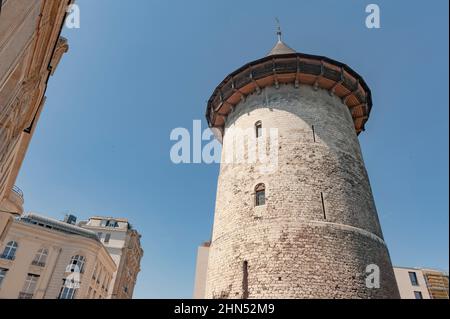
[14, 202]
[25, 295]
[18, 191]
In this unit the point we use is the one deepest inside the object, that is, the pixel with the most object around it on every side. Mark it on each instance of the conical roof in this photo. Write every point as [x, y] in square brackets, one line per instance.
[280, 48]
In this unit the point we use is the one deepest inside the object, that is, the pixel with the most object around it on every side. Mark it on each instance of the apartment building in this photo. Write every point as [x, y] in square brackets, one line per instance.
[122, 242]
[421, 283]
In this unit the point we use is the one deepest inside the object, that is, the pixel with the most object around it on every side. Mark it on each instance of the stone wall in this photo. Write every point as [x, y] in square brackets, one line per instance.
[294, 246]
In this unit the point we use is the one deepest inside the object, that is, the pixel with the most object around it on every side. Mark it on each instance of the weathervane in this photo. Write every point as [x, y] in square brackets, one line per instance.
[278, 29]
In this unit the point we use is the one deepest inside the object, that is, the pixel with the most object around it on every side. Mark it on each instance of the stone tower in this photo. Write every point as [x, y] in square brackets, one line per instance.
[309, 228]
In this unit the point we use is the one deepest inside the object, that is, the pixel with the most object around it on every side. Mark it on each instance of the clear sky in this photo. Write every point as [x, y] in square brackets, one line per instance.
[137, 69]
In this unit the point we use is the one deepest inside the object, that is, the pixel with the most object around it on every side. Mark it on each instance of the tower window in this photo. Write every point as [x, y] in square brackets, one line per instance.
[323, 206]
[260, 195]
[258, 129]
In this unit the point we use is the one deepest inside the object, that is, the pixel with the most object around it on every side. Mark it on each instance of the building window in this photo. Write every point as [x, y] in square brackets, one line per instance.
[99, 235]
[10, 251]
[418, 295]
[77, 264]
[68, 290]
[258, 129]
[3, 272]
[29, 287]
[260, 195]
[107, 238]
[41, 257]
[413, 278]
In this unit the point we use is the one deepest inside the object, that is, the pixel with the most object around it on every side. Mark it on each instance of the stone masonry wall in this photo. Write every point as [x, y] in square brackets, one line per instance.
[291, 247]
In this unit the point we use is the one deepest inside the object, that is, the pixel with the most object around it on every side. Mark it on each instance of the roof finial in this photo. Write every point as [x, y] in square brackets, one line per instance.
[278, 29]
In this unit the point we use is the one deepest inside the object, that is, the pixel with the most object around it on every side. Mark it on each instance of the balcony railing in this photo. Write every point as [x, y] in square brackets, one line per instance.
[38, 263]
[25, 295]
[7, 257]
[18, 191]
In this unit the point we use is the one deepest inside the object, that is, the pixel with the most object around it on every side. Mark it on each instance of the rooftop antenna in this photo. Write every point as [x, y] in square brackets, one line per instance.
[278, 29]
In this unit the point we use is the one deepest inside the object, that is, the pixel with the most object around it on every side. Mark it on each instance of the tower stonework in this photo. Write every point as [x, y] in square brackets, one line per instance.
[317, 231]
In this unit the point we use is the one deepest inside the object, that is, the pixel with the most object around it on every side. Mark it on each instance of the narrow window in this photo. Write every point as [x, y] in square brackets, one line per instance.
[413, 278]
[99, 235]
[258, 129]
[41, 258]
[323, 206]
[245, 280]
[260, 195]
[107, 237]
[313, 133]
[29, 287]
[418, 295]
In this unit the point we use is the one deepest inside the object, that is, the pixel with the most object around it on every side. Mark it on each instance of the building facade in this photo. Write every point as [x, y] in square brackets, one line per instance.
[30, 50]
[42, 258]
[421, 283]
[123, 244]
[308, 227]
[437, 283]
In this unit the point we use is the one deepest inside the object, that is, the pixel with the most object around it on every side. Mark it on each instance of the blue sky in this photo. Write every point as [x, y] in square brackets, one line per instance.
[138, 69]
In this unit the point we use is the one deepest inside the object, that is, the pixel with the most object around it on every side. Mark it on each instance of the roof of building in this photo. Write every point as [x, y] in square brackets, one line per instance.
[123, 220]
[53, 224]
[280, 48]
[285, 65]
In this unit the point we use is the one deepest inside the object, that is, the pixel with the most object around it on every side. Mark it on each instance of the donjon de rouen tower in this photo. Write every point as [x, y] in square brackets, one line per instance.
[309, 228]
